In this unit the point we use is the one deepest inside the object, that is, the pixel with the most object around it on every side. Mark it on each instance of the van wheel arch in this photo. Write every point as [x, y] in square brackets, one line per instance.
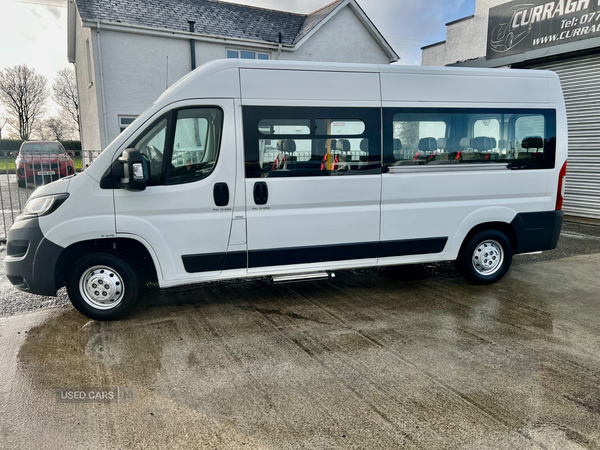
[131, 250]
[503, 227]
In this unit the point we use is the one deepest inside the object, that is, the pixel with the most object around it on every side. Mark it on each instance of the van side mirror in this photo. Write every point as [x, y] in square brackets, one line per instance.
[135, 170]
[71, 153]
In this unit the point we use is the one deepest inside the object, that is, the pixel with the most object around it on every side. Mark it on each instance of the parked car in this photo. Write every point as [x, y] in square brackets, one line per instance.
[39, 162]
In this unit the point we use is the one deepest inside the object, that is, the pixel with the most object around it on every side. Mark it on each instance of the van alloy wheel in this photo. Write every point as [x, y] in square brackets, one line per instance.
[102, 287]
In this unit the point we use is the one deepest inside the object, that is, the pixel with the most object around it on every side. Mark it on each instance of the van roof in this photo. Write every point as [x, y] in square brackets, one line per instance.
[357, 67]
[218, 78]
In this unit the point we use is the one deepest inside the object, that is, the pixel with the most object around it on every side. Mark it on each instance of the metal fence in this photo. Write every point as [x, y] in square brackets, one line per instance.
[21, 175]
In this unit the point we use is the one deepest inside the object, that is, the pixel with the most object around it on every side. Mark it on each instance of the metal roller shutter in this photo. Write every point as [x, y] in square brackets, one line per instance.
[580, 79]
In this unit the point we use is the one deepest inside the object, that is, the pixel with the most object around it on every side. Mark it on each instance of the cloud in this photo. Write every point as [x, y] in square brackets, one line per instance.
[35, 37]
[56, 12]
[412, 25]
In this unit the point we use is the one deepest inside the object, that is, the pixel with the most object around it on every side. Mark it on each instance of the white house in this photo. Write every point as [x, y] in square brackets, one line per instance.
[127, 52]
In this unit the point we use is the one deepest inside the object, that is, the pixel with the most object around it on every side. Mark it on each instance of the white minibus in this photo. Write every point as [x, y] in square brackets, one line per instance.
[292, 169]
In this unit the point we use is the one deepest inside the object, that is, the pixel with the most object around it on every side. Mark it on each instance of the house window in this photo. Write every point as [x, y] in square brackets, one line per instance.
[89, 63]
[125, 121]
[246, 54]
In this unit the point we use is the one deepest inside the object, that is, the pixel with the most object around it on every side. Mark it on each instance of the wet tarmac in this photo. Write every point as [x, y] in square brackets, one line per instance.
[373, 359]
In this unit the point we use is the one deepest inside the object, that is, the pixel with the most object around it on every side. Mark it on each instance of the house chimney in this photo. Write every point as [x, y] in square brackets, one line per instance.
[192, 44]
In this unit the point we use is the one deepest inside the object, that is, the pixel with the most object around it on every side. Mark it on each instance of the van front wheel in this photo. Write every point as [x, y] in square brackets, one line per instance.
[103, 286]
[486, 258]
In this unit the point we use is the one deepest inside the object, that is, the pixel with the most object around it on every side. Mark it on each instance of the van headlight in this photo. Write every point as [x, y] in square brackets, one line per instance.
[41, 206]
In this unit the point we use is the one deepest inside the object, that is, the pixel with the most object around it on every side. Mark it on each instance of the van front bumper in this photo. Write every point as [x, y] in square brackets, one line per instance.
[31, 259]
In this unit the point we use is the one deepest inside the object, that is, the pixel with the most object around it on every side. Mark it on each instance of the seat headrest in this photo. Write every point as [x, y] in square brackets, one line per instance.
[532, 142]
[442, 143]
[289, 145]
[465, 142]
[483, 143]
[427, 144]
[397, 145]
[280, 145]
[343, 145]
[320, 145]
[364, 145]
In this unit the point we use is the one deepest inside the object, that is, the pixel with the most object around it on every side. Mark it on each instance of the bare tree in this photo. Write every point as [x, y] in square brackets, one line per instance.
[3, 122]
[23, 92]
[65, 95]
[56, 128]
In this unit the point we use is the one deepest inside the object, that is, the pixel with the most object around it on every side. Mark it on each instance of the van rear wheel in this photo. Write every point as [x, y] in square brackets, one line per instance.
[103, 286]
[486, 258]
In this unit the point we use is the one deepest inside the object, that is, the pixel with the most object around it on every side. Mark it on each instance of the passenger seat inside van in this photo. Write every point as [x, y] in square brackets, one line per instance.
[427, 149]
[396, 153]
[343, 148]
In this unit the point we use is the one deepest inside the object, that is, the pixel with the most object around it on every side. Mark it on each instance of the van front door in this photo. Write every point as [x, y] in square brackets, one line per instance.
[185, 212]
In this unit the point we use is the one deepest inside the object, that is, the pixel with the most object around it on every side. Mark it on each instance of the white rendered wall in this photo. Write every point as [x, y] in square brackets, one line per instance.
[136, 72]
[464, 40]
[88, 97]
[342, 39]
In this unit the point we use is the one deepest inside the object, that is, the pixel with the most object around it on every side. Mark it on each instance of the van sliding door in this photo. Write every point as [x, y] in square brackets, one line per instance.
[313, 184]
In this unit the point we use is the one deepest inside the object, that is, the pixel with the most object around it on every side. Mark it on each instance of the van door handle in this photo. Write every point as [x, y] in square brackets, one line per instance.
[221, 194]
[261, 193]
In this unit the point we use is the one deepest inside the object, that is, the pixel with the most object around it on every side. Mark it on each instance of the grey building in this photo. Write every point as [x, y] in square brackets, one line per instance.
[558, 35]
[127, 52]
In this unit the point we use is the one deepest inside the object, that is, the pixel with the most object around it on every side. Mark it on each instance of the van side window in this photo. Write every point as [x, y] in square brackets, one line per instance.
[152, 146]
[523, 138]
[195, 145]
[416, 137]
[182, 146]
[304, 141]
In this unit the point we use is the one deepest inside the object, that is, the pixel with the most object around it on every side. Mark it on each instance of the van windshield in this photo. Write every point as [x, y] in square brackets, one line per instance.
[42, 148]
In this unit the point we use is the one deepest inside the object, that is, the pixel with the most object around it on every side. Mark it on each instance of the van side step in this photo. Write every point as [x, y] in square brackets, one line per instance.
[302, 277]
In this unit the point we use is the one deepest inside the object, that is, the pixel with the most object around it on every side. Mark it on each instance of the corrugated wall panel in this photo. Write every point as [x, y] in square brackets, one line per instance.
[580, 79]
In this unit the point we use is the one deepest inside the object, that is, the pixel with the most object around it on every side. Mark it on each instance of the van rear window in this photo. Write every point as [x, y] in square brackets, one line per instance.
[523, 138]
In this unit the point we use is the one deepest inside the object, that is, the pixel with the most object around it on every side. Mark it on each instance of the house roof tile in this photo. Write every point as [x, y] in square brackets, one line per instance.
[213, 18]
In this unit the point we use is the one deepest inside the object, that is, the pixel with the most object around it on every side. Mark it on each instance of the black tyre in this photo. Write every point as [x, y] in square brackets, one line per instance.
[510, 40]
[486, 258]
[103, 286]
[21, 182]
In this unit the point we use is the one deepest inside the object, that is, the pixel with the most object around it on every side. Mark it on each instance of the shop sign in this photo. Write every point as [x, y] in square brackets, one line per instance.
[525, 25]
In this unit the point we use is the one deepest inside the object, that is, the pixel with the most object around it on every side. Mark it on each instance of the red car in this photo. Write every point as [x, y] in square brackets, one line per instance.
[39, 162]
